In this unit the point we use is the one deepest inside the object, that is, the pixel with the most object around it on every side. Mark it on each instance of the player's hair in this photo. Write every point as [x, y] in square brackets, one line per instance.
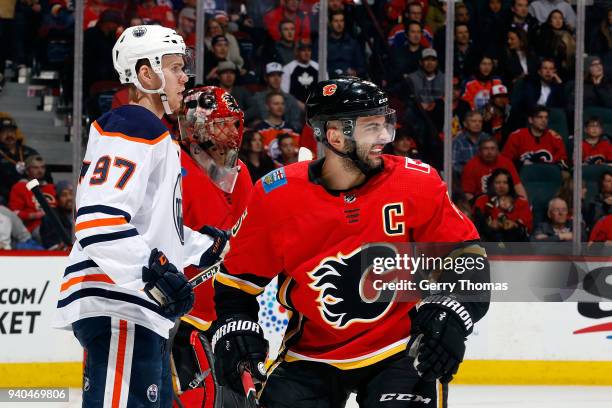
[491, 181]
[283, 136]
[132, 90]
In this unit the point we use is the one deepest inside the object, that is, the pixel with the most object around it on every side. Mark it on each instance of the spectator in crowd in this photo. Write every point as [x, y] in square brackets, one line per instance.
[7, 22]
[253, 154]
[344, 54]
[478, 89]
[496, 112]
[536, 143]
[601, 206]
[460, 110]
[596, 149]
[13, 234]
[597, 86]
[13, 154]
[413, 12]
[517, 60]
[465, 145]
[405, 60]
[464, 54]
[257, 105]
[151, 11]
[282, 50]
[234, 48]
[288, 10]
[558, 228]
[50, 237]
[427, 82]
[601, 39]
[135, 21]
[187, 26]
[602, 231]
[462, 16]
[543, 89]
[479, 168]
[212, 29]
[288, 149]
[492, 31]
[403, 144]
[98, 49]
[555, 40]
[227, 73]
[436, 15]
[300, 73]
[501, 215]
[541, 10]
[22, 201]
[520, 18]
[274, 124]
[220, 52]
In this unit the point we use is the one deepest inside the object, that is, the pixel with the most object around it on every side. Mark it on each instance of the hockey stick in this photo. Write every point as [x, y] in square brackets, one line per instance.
[249, 388]
[34, 187]
[204, 276]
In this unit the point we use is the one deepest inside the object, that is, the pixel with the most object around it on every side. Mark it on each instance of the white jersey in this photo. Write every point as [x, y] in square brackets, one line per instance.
[128, 201]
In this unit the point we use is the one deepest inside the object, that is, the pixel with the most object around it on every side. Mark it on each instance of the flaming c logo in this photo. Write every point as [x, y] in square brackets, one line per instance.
[329, 90]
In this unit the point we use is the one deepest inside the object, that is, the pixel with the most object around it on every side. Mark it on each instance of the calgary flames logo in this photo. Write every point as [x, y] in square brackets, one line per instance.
[329, 90]
[344, 283]
[231, 103]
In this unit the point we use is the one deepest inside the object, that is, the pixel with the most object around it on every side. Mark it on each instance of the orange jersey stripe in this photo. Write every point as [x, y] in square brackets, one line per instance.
[120, 363]
[102, 222]
[99, 277]
[130, 138]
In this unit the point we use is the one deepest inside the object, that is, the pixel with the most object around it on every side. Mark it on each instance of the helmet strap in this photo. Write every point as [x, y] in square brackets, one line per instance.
[160, 90]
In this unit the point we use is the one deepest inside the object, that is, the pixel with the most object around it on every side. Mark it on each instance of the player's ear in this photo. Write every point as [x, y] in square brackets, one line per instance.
[334, 137]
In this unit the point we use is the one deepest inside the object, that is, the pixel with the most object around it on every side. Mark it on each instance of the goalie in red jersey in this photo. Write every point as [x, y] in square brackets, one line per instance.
[216, 186]
[319, 226]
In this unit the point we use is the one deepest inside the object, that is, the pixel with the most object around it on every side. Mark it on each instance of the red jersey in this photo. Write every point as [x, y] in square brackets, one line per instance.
[313, 240]
[602, 231]
[161, 13]
[476, 173]
[23, 203]
[523, 146]
[598, 153]
[519, 212]
[206, 204]
[273, 18]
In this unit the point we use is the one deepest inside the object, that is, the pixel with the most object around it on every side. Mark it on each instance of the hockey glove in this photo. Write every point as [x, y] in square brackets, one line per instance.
[440, 326]
[168, 287]
[239, 345]
[219, 247]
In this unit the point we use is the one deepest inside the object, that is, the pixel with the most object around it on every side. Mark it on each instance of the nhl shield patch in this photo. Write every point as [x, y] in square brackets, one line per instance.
[274, 179]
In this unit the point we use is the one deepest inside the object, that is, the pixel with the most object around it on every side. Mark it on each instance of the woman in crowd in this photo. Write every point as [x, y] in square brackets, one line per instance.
[253, 154]
[517, 60]
[555, 40]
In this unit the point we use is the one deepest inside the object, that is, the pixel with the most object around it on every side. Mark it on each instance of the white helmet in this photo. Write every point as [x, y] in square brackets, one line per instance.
[149, 42]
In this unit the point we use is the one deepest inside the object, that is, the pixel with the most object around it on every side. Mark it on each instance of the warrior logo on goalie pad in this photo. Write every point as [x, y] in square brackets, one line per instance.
[344, 283]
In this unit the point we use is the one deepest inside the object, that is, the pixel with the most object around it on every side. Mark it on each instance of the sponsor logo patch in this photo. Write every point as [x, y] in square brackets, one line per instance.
[274, 180]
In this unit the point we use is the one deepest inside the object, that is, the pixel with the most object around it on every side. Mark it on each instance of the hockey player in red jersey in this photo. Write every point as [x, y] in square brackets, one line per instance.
[313, 224]
[216, 186]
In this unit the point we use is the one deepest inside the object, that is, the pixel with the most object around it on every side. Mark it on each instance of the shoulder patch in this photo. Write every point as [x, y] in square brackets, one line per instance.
[274, 179]
[134, 122]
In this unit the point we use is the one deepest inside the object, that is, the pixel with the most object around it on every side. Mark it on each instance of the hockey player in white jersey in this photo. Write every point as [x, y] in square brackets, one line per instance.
[130, 238]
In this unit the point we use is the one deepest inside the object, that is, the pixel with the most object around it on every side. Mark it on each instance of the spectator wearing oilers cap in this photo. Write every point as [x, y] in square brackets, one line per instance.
[13, 154]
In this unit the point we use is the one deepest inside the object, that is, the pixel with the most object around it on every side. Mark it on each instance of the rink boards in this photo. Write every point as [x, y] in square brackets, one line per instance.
[516, 343]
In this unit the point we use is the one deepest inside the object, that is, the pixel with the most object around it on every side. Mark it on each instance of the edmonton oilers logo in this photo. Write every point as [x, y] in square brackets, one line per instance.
[152, 392]
[139, 31]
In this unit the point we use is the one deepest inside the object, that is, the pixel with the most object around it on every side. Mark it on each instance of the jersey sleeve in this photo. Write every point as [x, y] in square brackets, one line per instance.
[560, 153]
[438, 218]
[511, 149]
[111, 191]
[195, 246]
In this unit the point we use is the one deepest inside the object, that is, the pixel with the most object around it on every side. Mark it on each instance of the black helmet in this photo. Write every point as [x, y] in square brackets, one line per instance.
[345, 98]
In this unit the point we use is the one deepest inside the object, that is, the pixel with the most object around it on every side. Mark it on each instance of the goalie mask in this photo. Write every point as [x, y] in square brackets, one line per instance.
[211, 126]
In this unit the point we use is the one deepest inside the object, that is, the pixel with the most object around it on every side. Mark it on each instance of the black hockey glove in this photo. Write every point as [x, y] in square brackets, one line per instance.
[168, 287]
[239, 345]
[440, 326]
[219, 247]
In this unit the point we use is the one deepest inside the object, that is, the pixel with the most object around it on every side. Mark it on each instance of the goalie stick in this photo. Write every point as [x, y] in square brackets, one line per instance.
[34, 187]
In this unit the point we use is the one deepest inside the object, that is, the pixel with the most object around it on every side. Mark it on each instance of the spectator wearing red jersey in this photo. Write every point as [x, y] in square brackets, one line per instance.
[602, 231]
[478, 89]
[595, 149]
[150, 11]
[536, 143]
[478, 170]
[22, 201]
[501, 214]
[288, 10]
[558, 228]
[496, 113]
